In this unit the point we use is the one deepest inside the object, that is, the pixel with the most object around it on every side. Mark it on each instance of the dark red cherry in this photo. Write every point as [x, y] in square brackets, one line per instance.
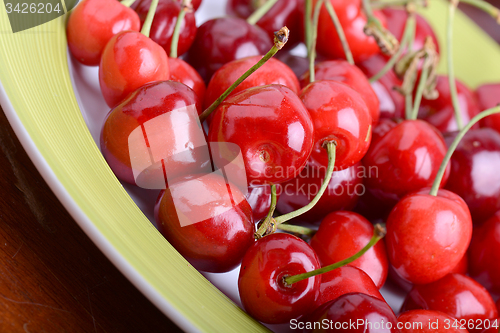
[427, 235]
[474, 170]
[222, 40]
[93, 23]
[342, 192]
[259, 198]
[183, 72]
[129, 61]
[272, 128]
[355, 312]
[428, 321]
[207, 220]
[456, 295]
[488, 96]
[272, 72]
[342, 234]
[263, 292]
[339, 114]
[405, 159]
[439, 112]
[299, 65]
[484, 254]
[352, 76]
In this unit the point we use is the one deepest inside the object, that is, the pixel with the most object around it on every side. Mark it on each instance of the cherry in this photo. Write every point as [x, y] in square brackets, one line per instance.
[352, 76]
[342, 234]
[259, 198]
[404, 160]
[355, 312]
[428, 321]
[484, 254]
[222, 40]
[299, 65]
[272, 72]
[195, 3]
[339, 114]
[273, 129]
[488, 97]
[427, 235]
[263, 292]
[456, 295]
[439, 112]
[92, 24]
[342, 193]
[474, 170]
[183, 72]
[219, 229]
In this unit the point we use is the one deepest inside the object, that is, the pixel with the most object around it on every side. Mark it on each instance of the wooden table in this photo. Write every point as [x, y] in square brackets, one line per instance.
[52, 277]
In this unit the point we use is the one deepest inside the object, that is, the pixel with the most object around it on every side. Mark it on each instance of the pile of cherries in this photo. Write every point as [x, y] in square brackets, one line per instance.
[364, 142]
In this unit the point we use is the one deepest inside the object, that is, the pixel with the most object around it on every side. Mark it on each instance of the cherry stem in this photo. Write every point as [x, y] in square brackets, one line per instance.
[381, 4]
[451, 72]
[312, 51]
[379, 232]
[340, 32]
[454, 144]
[408, 32]
[261, 11]
[296, 229]
[486, 7]
[268, 221]
[146, 28]
[186, 7]
[308, 25]
[420, 90]
[280, 39]
[127, 3]
[386, 41]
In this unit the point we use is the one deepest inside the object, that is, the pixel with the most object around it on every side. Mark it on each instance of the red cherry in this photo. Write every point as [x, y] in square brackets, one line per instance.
[474, 170]
[222, 40]
[196, 3]
[352, 76]
[342, 234]
[456, 295]
[427, 235]
[462, 266]
[339, 114]
[93, 23]
[298, 64]
[405, 159]
[272, 128]
[484, 254]
[129, 61]
[259, 198]
[272, 72]
[181, 71]
[488, 96]
[263, 292]
[342, 193]
[216, 239]
[428, 321]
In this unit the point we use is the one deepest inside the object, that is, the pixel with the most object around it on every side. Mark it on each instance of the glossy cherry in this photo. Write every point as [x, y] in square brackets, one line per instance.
[456, 295]
[488, 96]
[342, 234]
[259, 198]
[427, 235]
[339, 114]
[352, 76]
[263, 292]
[342, 193]
[183, 72]
[129, 61]
[273, 129]
[428, 321]
[93, 23]
[474, 170]
[222, 40]
[216, 243]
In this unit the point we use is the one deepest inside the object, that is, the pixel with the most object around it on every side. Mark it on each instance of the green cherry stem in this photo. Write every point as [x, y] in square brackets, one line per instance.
[454, 144]
[261, 11]
[486, 7]
[420, 90]
[267, 223]
[451, 71]
[186, 7]
[312, 51]
[280, 39]
[127, 3]
[297, 229]
[340, 32]
[378, 233]
[308, 25]
[146, 28]
[385, 39]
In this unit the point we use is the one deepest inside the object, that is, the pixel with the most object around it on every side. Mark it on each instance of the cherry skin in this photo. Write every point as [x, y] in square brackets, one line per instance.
[93, 23]
[344, 313]
[129, 61]
[493, 326]
[272, 72]
[216, 244]
[145, 104]
[298, 64]
[196, 3]
[272, 128]
[405, 159]
[474, 170]
[339, 114]
[259, 198]
[263, 292]
[456, 295]
[427, 235]
[488, 96]
[183, 72]
[350, 75]
[222, 40]
[484, 253]
[427, 318]
[342, 234]
[342, 192]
